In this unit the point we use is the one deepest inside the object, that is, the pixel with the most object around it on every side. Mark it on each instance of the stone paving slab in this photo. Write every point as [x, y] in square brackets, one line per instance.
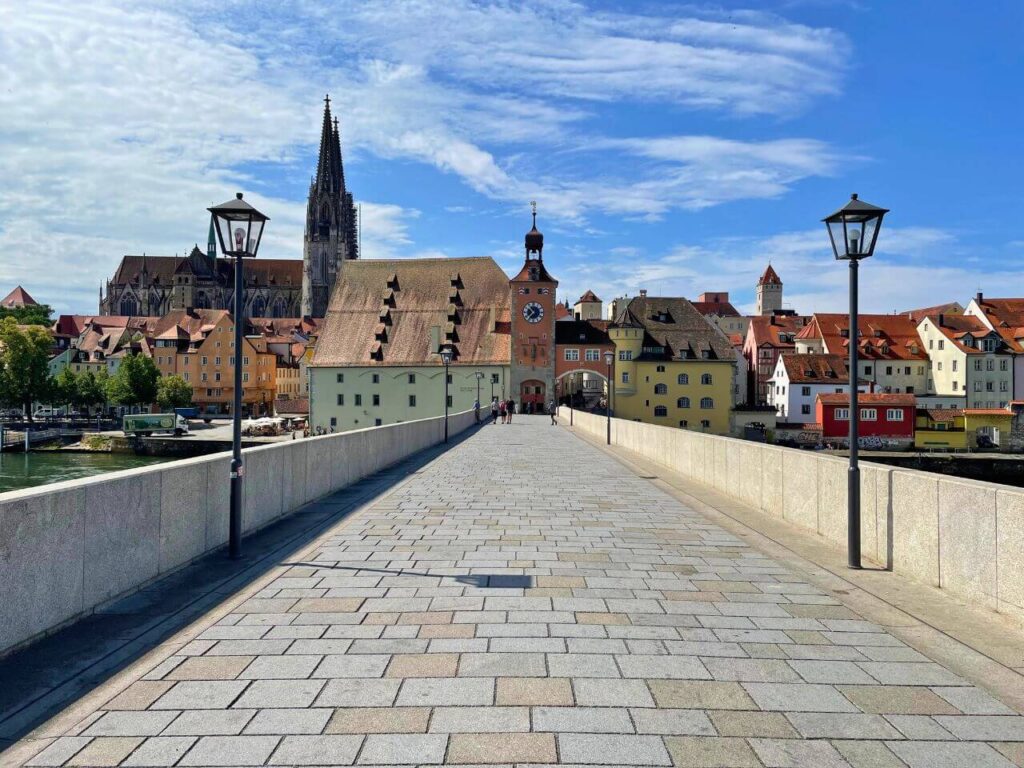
[527, 600]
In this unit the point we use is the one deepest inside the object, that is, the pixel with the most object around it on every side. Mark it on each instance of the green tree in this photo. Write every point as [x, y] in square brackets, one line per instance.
[64, 388]
[92, 388]
[24, 358]
[33, 314]
[135, 382]
[173, 392]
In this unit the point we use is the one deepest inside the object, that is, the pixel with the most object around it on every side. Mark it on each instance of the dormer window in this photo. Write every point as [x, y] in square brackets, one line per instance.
[844, 333]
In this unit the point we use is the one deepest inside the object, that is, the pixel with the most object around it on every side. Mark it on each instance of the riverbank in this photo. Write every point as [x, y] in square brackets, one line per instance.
[1004, 468]
[28, 470]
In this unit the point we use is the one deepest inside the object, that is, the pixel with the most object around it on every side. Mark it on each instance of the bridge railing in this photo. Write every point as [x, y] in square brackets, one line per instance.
[964, 536]
[69, 547]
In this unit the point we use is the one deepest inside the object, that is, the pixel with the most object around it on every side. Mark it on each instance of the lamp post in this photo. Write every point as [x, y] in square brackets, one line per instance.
[239, 229]
[446, 358]
[853, 231]
[479, 376]
[608, 358]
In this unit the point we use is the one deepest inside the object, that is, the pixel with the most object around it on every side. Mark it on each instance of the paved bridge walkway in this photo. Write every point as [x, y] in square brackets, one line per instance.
[526, 599]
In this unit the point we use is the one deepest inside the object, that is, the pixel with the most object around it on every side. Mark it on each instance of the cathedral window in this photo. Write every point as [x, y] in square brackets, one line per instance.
[129, 306]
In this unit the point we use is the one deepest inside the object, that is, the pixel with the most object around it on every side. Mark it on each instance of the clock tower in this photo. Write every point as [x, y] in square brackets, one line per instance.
[533, 326]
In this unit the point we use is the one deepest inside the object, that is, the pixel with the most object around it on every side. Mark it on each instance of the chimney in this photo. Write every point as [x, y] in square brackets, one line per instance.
[979, 297]
[643, 293]
[941, 318]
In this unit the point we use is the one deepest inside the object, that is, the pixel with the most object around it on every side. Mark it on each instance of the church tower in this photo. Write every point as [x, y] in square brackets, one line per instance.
[533, 325]
[769, 293]
[330, 236]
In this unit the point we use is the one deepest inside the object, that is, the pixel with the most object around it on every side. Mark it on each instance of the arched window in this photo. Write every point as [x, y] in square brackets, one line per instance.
[705, 424]
[683, 402]
[129, 306]
[660, 410]
[705, 378]
[707, 402]
[323, 268]
[259, 306]
[683, 378]
[661, 389]
[280, 307]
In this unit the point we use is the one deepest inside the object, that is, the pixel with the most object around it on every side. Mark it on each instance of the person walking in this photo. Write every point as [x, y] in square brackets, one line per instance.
[554, 412]
[494, 410]
[511, 409]
[503, 409]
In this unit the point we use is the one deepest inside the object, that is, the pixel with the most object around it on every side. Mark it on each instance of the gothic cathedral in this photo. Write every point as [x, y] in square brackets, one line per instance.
[331, 236]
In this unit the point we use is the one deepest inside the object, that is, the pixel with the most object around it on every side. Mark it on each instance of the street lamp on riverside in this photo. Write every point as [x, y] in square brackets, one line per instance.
[239, 229]
[608, 358]
[853, 230]
[446, 358]
[479, 376]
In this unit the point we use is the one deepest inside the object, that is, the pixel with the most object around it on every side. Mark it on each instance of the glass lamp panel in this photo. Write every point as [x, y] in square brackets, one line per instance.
[837, 234]
[255, 235]
[222, 225]
[870, 234]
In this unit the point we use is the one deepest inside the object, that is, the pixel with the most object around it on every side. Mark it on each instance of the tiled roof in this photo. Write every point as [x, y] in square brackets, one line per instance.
[1007, 317]
[589, 296]
[17, 298]
[297, 406]
[721, 308]
[766, 329]
[674, 324]
[582, 332]
[868, 398]
[815, 368]
[162, 269]
[388, 307]
[770, 276]
[941, 414]
[957, 328]
[562, 312]
[987, 412]
[917, 315]
[882, 337]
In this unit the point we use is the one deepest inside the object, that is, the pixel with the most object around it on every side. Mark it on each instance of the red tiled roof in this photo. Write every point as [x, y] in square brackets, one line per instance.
[942, 414]
[770, 276]
[1007, 317]
[298, 406]
[987, 412]
[868, 398]
[957, 327]
[882, 337]
[588, 297]
[917, 315]
[721, 308]
[765, 330]
[18, 298]
[815, 368]
[562, 312]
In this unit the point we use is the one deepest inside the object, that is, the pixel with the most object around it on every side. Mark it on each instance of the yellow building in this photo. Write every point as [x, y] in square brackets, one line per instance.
[959, 430]
[671, 366]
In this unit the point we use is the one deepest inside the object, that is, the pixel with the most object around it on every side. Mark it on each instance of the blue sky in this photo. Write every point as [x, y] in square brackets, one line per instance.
[670, 146]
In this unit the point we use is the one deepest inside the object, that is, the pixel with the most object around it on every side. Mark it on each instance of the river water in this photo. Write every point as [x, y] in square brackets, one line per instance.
[21, 470]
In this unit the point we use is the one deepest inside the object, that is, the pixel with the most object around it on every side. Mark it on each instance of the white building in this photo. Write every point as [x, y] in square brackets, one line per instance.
[799, 379]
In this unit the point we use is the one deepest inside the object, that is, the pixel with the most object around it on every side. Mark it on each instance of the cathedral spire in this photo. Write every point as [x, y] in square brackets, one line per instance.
[325, 172]
[339, 166]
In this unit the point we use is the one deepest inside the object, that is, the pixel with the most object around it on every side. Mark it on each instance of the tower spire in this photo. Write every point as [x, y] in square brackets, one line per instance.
[324, 166]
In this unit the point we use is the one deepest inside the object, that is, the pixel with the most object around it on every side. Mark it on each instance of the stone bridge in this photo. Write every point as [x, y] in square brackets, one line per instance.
[525, 597]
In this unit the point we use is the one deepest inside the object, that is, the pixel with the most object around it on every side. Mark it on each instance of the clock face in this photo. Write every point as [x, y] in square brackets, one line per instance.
[533, 312]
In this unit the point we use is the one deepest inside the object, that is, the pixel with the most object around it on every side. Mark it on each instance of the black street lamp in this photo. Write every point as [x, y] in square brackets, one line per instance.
[853, 230]
[239, 229]
[608, 358]
[479, 376]
[446, 358]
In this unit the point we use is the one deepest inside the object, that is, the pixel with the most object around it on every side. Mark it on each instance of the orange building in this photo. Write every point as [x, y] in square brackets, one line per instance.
[199, 347]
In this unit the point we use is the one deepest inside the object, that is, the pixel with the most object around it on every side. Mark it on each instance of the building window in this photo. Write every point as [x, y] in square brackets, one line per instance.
[683, 423]
[340, 377]
[412, 401]
[661, 369]
[572, 355]
[625, 377]
[940, 365]
[205, 360]
[661, 389]
[705, 424]
[989, 386]
[359, 399]
[660, 410]
[683, 402]
[334, 421]
[683, 378]
[377, 422]
[842, 414]
[376, 400]
[341, 399]
[868, 414]
[1002, 385]
[990, 365]
[494, 378]
[867, 370]
[245, 360]
[894, 414]
[942, 344]
[805, 409]
[705, 378]
[375, 378]
[412, 378]
[707, 402]
[593, 355]
[205, 377]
